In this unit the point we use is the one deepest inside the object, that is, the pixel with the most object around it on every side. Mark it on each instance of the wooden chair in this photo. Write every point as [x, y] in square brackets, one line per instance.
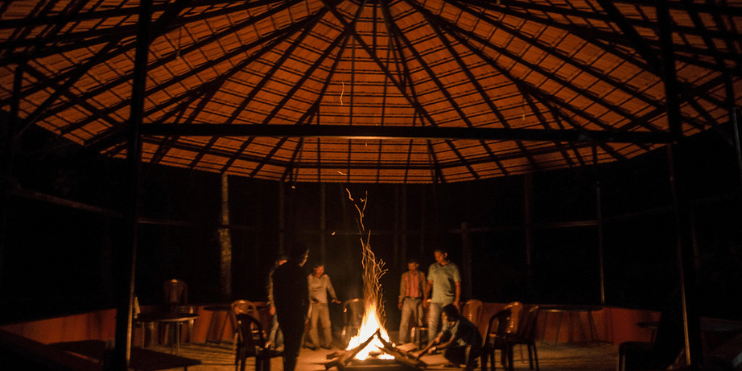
[251, 343]
[497, 326]
[526, 335]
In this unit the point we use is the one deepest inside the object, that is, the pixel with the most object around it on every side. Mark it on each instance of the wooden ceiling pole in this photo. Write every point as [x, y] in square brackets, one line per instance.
[124, 296]
[8, 125]
[678, 181]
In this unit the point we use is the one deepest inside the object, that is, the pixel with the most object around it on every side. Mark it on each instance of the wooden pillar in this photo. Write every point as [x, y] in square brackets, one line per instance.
[467, 263]
[693, 347]
[422, 222]
[128, 253]
[404, 224]
[599, 220]
[528, 215]
[399, 256]
[281, 219]
[8, 127]
[323, 221]
[225, 243]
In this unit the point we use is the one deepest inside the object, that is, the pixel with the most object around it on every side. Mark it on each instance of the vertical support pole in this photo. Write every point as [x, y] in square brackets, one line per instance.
[735, 125]
[732, 109]
[125, 299]
[397, 253]
[423, 204]
[225, 242]
[322, 221]
[599, 219]
[683, 226]
[467, 263]
[528, 214]
[8, 129]
[404, 223]
[281, 219]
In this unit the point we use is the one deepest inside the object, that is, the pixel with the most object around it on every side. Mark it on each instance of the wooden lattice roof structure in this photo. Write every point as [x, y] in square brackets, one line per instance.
[403, 91]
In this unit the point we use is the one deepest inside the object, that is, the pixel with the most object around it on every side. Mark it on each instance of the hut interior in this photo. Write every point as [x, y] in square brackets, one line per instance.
[564, 152]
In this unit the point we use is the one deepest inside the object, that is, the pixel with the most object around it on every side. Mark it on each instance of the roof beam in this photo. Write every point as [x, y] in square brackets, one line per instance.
[405, 132]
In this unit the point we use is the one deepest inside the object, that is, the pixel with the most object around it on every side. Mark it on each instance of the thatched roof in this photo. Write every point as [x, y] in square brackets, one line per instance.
[402, 91]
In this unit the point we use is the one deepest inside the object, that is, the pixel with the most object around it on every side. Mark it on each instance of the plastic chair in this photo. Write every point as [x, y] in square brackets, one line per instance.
[421, 326]
[353, 312]
[526, 335]
[241, 307]
[515, 308]
[472, 311]
[496, 340]
[251, 343]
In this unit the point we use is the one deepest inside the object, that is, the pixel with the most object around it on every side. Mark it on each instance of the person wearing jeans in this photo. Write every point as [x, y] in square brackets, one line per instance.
[445, 280]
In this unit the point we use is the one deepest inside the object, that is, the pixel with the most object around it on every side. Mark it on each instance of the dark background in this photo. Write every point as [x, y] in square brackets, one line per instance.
[61, 260]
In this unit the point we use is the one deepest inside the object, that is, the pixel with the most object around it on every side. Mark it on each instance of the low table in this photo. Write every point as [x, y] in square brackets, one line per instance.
[141, 359]
[215, 329]
[155, 317]
[561, 309]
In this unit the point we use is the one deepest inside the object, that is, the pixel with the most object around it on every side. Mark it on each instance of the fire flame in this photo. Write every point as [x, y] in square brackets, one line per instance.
[371, 324]
[373, 306]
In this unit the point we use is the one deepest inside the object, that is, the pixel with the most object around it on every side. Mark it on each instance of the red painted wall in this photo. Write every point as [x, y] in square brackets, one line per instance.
[613, 325]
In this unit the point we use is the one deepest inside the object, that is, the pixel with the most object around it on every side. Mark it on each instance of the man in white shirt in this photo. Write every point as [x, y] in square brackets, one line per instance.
[319, 286]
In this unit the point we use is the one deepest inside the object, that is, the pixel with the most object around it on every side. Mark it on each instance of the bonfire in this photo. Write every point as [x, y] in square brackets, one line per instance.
[372, 342]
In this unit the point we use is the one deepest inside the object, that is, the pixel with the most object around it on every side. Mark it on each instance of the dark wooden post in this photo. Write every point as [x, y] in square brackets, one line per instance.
[8, 127]
[599, 221]
[528, 214]
[467, 263]
[322, 221]
[126, 279]
[683, 224]
[225, 242]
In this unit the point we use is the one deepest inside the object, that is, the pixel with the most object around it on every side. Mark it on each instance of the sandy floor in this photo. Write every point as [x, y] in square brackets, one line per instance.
[552, 357]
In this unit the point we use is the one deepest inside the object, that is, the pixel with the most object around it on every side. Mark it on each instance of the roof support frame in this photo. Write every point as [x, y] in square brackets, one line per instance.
[551, 75]
[437, 23]
[599, 38]
[105, 52]
[397, 132]
[276, 38]
[158, 29]
[396, 31]
[398, 35]
[566, 59]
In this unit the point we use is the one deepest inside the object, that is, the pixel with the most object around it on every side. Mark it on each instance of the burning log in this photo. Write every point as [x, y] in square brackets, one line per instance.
[401, 357]
[346, 356]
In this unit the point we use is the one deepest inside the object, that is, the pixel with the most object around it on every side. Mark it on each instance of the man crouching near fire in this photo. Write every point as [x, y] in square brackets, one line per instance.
[459, 339]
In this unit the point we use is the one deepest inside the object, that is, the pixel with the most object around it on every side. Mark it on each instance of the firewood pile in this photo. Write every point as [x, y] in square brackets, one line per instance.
[343, 358]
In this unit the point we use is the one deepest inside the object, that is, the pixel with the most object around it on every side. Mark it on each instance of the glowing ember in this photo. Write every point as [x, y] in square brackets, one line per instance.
[373, 305]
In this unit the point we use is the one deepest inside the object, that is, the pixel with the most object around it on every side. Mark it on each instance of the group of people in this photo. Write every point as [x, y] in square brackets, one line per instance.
[448, 331]
[294, 297]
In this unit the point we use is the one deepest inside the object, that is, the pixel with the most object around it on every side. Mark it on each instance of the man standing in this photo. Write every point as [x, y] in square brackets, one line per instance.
[290, 296]
[319, 285]
[445, 280]
[410, 296]
[460, 340]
